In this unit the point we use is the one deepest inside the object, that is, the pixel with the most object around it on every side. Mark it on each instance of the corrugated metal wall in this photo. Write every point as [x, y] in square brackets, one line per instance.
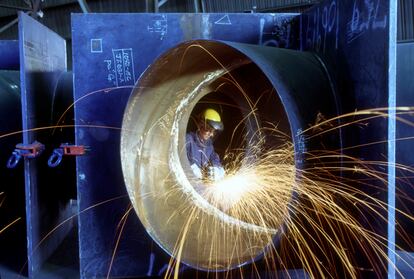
[172, 6]
[57, 12]
[8, 12]
[405, 20]
[216, 6]
[57, 18]
[247, 5]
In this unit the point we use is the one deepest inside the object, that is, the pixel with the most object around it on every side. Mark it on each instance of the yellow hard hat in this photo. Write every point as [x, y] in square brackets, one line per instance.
[212, 117]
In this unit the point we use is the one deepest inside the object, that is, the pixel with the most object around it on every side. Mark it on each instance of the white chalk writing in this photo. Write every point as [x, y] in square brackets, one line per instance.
[96, 45]
[300, 139]
[224, 20]
[365, 17]
[110, 72]
[322, 26]
[120, 70]
[159, 25]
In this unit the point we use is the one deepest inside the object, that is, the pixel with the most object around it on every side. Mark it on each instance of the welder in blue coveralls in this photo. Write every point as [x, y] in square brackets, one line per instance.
[204, 161]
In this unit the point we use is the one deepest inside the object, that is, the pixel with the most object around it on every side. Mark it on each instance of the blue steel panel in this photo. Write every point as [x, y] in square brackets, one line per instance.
[354, 38]
[354, 34]
[42, 62]
[404, 143]
[9, 55]
[110, 52]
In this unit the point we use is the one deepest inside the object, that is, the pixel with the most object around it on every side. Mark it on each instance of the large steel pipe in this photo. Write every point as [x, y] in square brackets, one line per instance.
[261, 85]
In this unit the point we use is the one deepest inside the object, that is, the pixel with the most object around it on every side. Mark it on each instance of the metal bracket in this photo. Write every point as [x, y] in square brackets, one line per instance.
[65, 149]
[29, 151]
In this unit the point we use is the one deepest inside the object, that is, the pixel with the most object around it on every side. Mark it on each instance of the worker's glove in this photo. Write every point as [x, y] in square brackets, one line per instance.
[217, 173]
[197, 171]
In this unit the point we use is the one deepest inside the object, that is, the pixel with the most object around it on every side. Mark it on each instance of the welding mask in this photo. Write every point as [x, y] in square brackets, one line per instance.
[210, 124]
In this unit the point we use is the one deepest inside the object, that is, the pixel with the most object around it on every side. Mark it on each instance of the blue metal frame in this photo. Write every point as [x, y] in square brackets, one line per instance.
[392, 103]
[403, 150]
[42, 63]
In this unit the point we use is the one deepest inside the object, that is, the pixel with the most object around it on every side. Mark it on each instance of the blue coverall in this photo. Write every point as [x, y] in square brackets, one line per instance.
[199, 153]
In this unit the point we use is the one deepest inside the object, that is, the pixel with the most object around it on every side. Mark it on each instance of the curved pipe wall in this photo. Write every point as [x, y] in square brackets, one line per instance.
[158, 113]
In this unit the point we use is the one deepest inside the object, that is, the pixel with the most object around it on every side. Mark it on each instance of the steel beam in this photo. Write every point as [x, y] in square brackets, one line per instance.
[198, 6]
[19, 8]
[42, 63]
[151, 6]
[8, 25]
[84, 6]
[284, 8]
[162, 2]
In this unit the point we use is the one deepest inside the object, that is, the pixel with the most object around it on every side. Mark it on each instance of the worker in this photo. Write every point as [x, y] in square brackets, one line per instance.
[204, 161]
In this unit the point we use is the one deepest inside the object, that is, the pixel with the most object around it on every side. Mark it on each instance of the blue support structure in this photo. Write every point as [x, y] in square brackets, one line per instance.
[42, 65]
[404, 147]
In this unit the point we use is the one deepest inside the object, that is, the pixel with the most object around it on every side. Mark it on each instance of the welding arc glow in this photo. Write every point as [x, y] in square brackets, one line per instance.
[231, 189]
[249, 193]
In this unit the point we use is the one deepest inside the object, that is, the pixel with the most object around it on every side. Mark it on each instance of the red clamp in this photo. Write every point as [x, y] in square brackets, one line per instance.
[73, 150]
[32, 150]
[65, 149]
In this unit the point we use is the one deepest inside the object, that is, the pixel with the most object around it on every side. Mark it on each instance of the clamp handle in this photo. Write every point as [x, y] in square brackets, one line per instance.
[13, 160]
[55, 158]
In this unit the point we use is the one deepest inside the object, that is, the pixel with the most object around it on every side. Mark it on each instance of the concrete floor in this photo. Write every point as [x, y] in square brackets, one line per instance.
[64, 264]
